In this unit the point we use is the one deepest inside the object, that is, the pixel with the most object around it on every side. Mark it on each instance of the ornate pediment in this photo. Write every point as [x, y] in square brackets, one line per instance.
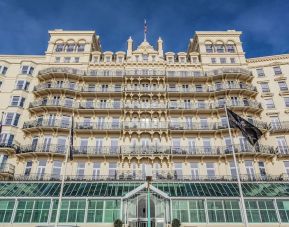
[145, 48]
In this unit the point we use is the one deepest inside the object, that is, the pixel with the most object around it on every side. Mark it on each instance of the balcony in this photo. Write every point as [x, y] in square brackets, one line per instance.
[198, 151]
[9, 147]
[145, 89]
[138, 105]
[145, 125]
[279, 127]
[73, 88]
[51, 104]
[6, 169]
[222, 88]
[78, 74]
[145, 72]
[157, 176]
[208, 107]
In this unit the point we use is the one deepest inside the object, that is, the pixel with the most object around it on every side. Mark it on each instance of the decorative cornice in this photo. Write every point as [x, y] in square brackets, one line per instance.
[268, 58]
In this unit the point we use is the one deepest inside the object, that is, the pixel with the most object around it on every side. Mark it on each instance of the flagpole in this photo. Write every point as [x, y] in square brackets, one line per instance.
[243, 209]
[1, 123]
[145, 30]
[63, 179]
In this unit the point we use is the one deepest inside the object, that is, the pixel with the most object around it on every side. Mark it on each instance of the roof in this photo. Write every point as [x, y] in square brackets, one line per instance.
[121, 189]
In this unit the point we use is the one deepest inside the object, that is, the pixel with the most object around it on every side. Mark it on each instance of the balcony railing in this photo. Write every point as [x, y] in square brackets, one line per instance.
[150, 150]
[157, 175]
[214, 105]
[76, 88]
[215, 88]
[279, 126]
[144, 72]
[73, 104]
[7, 168]
[145, 106]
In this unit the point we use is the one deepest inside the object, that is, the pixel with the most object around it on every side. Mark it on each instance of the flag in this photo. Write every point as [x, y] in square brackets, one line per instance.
[249, 131]
[71, 139]
[145, 27]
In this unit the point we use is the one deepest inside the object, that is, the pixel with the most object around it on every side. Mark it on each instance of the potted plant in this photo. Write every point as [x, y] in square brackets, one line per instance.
[118, 223]
[176, 223]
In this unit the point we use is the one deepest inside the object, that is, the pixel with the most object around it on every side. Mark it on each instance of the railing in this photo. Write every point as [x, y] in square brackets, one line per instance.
[7, 168]
[145, 105]
[215, 88]
[157, 175]
[76, 88]
[144, 72]
[9, 145]
[214, 105]
[150, 150]
[73, 104]
[145, 89]
[47, 123]
[279, 126]
[224, 71]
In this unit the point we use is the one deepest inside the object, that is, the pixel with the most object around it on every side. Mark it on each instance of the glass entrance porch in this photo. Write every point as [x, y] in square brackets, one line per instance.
[135, 212]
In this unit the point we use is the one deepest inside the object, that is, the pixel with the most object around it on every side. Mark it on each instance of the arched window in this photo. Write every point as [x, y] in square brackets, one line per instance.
[220, 48]
[59, 47]
[80, 47]
[231, 47]
[70, 47]
[209, 47]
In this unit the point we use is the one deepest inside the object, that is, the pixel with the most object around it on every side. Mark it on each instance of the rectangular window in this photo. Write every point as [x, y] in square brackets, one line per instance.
[28, 168]
[3, 70]
[223, 60]
[210, 166]
[56, 169]
[22, 85]
[57, 59]
[80, 47]
[27, 70]
[283, 86]
[17, 101]
[209, 48]
[112, 170]
[61, 141]
[12, 119]
[262, 169]
[213, 60]
[96, 170]
[32, 211]
[41, 169]
[59, 48]
[277, 70]
[80, 170]
[275, 122]
[105, 211]
[233, 60]
[207, 145]
[265, 87]
[67, 59]
[250, 169]
[260, 72]
[269, 103]
[283, 209]
[194, 170]
[6, 210]
[6, 138]
[178, 170]
[233, 169]
[260, 211]
[83, 145]
[76, 59]
[286, 101]
[282, 145]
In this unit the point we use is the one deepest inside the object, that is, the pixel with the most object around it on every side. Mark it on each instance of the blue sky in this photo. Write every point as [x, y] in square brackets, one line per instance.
[24, 23]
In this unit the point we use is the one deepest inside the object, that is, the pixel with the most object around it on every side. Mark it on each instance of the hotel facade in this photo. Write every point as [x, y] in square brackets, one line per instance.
[141, 111]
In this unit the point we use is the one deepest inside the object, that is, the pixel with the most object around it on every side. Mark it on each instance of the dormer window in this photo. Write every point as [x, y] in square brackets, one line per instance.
[59, 47]
[194, 60]
[145, 57]
[80, 47]
[70, 47]
[107, 59]
[170, 59]
[95, 59]
[182, 59]
[120, 59]
[27, 70]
